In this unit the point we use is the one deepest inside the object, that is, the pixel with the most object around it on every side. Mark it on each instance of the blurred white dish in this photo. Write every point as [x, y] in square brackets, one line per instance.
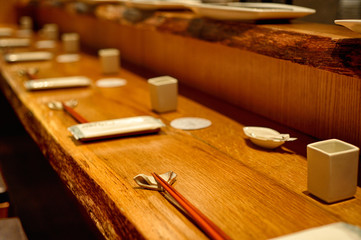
[352, 24]
[110, 82]
[160, 4]
[14, 42]
[6, 32]
[266, 137]
[249, 11]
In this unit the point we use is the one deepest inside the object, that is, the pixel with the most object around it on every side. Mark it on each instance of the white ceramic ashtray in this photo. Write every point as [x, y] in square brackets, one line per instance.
[266, 137]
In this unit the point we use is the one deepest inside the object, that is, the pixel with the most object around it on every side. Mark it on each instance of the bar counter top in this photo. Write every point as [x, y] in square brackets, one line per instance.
[249, 192]
[305, 76]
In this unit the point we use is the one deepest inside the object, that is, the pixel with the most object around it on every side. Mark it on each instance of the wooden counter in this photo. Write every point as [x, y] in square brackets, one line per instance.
[302, 75]
[249, 192]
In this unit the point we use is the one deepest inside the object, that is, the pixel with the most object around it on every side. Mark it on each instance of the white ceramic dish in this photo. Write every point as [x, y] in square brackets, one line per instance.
[28, 56]
[249, 11]
[53, 83]
[266, 137]
[153, 5]
[6, 32]
[116, 128]
[352, 24]
[14, 42]
[103, 1]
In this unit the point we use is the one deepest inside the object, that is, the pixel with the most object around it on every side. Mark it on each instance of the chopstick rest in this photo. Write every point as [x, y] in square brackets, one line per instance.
[149, 182]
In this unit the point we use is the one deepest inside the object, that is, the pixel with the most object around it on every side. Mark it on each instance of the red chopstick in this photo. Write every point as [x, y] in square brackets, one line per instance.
[30, 76]
[209, 228]
[74, 114]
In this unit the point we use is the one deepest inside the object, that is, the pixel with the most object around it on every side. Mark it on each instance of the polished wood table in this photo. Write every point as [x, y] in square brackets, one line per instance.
[249, 192]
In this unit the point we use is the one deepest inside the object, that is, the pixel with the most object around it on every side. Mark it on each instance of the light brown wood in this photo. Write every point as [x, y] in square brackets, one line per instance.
[303, 75]
[250, 193]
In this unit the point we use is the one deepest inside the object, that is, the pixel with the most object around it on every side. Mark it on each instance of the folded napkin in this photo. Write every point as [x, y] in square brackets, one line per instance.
[333, 231]
[149, 182]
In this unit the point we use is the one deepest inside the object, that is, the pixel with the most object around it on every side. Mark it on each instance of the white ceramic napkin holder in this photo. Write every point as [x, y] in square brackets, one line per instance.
[70, 42]
[332, 170]
[163, 93]
[110, 60]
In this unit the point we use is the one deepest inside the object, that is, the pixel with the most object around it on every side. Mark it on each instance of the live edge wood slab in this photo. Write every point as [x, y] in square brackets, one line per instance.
[302, 75]
[249, 192]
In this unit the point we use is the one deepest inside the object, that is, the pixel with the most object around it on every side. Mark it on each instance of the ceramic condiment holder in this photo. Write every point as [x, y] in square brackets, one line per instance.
[26, 23]
[110, 60]
[70, 42]
[332, 170]
[50, 31]
[163, 93]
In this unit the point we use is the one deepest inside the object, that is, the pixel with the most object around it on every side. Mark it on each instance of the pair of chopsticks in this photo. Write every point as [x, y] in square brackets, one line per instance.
[209, 228]
[74, 114]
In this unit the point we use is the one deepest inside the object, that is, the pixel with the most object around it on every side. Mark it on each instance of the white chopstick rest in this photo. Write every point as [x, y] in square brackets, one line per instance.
[163, 93]
[116, 128]
[62, 82]
[149, 182]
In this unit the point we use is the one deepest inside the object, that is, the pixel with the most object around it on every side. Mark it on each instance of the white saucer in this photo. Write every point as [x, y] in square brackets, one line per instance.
[190, 123]
[111, 82]
[260, 137]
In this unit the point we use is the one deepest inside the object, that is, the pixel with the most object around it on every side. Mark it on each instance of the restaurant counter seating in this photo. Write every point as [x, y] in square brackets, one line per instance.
[297, 78]
[10, 227]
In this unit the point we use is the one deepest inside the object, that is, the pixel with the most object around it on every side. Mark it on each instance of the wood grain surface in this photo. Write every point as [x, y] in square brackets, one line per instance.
[303, 75]
[249, 192]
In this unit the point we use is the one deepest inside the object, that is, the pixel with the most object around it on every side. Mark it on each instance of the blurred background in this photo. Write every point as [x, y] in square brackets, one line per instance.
[327, 10]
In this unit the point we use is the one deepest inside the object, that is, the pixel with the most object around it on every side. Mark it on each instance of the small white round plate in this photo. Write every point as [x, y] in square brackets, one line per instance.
[65, 58]
[190, 123]
[111, 82]
[255, 135]
[46, 44]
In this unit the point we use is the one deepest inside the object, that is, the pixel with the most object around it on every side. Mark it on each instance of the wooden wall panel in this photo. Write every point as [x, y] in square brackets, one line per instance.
[305, 89]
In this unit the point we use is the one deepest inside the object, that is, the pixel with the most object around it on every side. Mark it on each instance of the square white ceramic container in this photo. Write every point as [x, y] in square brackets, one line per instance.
[163, 93]
[110, 60]
[70, 42]
[332, 170]
[26, 22]
[50, 31]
